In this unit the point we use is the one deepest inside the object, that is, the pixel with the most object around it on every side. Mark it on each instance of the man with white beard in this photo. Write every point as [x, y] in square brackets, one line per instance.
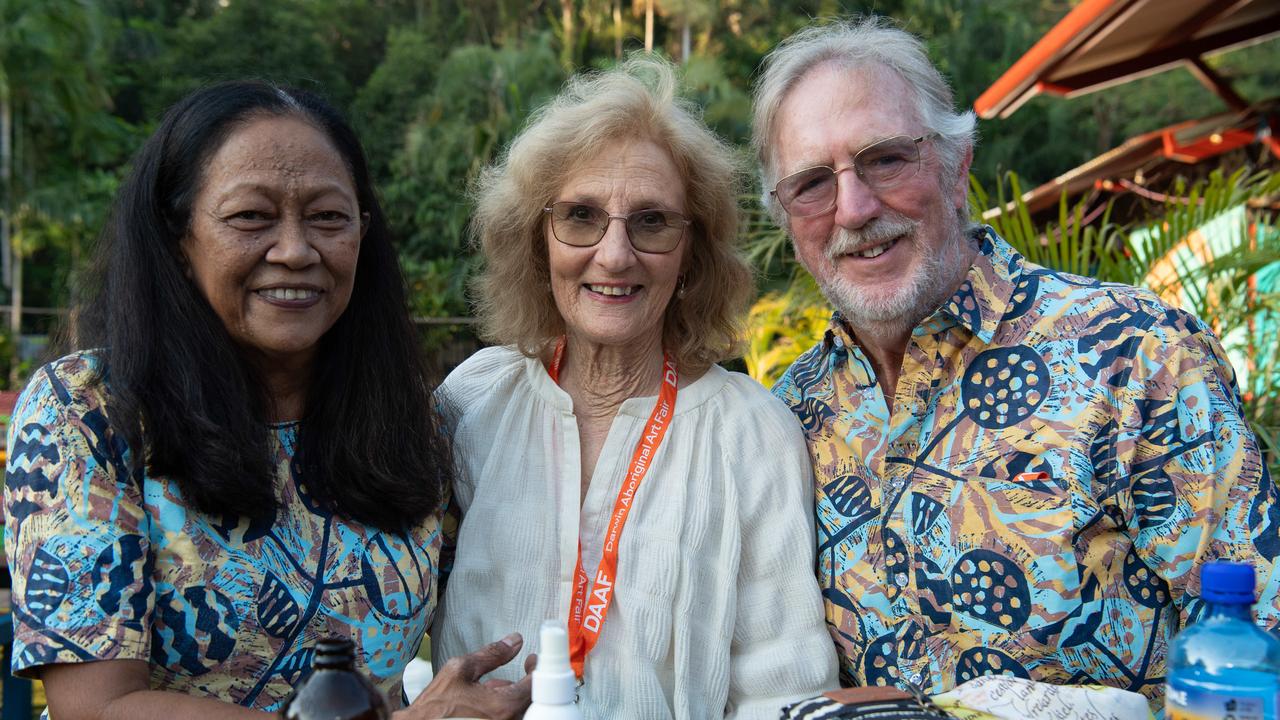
[1018, 471]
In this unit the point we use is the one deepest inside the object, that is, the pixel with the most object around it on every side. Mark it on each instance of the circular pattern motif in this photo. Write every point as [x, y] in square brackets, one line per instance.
[1144, 586]
[981, 661]
[895, 561]
[992, 588]
[1004, 386]
[880, 662]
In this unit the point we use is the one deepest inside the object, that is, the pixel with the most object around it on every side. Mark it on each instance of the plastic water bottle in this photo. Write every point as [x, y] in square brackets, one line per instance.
[555, 689]
[1224, 667]
[335, 690]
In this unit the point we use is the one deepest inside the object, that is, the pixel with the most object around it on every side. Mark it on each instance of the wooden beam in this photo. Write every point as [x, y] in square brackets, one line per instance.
[1017, 83]
[1217, 84]
[1194, 24]
[1094, 79]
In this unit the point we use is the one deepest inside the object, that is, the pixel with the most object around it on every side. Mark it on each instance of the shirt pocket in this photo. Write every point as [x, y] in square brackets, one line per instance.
[1002, 547]
[649, 569]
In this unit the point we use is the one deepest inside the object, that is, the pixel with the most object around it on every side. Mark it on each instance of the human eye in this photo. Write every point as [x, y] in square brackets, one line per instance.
[887, 159]
[649, 220]
[249, 219]
[813, 182]
[808, 183]
[578, 213]
[329, 220]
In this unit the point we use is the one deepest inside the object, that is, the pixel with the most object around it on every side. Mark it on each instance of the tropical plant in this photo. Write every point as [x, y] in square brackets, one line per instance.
[53, 128]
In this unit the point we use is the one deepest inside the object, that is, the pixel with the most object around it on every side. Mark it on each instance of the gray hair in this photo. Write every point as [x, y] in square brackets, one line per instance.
[864, 42]
[635, 100]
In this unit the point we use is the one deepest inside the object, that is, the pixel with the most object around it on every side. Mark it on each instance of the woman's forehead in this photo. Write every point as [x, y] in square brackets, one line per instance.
[280, 154]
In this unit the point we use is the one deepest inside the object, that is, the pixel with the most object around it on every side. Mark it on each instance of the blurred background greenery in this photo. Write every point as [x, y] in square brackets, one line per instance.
[437, 87]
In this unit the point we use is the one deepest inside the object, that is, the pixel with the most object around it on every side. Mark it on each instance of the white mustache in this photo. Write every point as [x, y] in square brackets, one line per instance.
[877, 232]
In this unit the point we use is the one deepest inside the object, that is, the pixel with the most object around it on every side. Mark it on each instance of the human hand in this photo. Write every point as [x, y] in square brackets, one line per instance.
[456, 691]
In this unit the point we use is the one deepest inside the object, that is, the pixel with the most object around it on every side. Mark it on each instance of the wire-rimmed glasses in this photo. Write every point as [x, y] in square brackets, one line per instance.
[650, 231]
[881, 165]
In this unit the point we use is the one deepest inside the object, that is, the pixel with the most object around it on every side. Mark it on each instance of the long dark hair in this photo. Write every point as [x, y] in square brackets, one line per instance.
[370, 447]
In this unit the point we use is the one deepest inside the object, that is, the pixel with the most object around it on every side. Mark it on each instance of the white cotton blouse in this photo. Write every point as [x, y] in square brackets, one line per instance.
[716, 610]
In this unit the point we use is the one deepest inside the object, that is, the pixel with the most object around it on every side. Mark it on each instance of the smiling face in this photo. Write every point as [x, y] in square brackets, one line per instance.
[274, 238]
[610, 294]
[883, 258]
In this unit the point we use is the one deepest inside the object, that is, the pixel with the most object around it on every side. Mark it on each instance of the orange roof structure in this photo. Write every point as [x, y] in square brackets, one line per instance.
[1104, 42]
[1126, 167]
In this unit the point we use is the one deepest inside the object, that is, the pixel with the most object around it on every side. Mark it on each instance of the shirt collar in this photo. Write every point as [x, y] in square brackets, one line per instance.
[984, 296]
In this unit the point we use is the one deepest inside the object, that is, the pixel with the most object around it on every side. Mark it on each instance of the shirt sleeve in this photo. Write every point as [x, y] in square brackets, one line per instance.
[75, 533]
[781, 650]
[1199, 489]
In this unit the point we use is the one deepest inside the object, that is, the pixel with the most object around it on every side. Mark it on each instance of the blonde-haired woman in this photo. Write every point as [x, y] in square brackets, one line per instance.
[613, 477]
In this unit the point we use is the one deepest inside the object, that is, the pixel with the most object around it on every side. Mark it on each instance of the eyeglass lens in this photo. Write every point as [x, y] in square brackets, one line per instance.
[880, 165]
[653, 230]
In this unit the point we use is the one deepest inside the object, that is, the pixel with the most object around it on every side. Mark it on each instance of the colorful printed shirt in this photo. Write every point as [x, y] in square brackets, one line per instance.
[110, 564]
[1061, 457]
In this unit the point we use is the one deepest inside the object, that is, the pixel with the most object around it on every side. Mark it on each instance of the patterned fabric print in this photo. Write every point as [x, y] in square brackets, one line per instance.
[113, 565]
[1061, 457]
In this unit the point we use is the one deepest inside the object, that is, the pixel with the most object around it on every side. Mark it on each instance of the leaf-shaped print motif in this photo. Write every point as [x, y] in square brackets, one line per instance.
[48, 584]
[119, 567]
[278, 610]
[195, 631]
[813, 414]
[850, 495]
[925, 511]
[1154, 495]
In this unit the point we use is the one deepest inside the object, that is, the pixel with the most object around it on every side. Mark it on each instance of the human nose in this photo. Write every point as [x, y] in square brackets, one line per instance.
[856, 202]
[292, 247]
[614, 251]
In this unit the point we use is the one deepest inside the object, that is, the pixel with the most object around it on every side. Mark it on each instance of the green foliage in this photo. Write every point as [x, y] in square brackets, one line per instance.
[481, 97]
[283, 41]
[394, 95]
[438, 87]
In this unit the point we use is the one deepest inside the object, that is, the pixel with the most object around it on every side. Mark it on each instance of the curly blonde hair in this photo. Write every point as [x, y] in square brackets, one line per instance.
[636, 100]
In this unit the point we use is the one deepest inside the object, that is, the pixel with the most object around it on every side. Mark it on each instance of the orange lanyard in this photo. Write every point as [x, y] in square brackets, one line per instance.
[589, 607]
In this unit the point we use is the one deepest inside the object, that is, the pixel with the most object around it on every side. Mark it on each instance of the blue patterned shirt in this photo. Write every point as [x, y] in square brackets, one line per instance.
[1061, 457]
[110, 563]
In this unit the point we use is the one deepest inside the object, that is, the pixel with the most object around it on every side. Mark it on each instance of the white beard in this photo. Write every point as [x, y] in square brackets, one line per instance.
[904, 305]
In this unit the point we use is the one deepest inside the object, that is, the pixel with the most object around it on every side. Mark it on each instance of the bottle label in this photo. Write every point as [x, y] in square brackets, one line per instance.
[1190, 700]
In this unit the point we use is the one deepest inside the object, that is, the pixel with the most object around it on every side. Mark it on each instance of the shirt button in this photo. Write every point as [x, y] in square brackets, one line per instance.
[914, 679]
[900, 580]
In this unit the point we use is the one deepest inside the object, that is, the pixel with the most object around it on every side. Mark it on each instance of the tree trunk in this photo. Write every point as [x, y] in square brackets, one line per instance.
[685, 42]
[566, 24]
[648, 26]
[6, 175]
[617, 29]
[15, 322]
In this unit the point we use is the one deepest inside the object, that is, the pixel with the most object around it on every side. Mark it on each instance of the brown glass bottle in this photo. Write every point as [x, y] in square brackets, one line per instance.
[334, 690]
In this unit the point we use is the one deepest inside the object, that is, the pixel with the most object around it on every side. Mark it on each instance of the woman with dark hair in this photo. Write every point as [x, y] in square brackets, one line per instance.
[243, 456]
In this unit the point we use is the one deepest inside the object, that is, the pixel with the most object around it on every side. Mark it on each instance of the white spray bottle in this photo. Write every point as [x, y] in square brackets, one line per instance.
[555, 689]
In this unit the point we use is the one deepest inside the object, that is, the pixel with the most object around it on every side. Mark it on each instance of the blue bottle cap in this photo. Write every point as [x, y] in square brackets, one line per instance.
[1227, 582]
